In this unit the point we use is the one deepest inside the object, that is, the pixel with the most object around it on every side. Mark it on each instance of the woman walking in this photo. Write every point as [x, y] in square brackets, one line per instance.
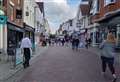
[107, 55]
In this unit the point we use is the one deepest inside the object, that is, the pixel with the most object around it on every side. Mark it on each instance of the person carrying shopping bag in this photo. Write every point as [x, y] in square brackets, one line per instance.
[108, 54]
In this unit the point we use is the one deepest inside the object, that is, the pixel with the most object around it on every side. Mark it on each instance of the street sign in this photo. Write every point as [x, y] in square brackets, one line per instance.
[3, 19]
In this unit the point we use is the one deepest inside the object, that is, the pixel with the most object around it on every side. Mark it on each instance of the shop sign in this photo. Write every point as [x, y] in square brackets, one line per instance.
[19, 56]
[3, 19]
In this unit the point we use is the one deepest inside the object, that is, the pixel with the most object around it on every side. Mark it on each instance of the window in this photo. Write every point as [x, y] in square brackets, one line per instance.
[11, 13]
[1, 4]
[19, 2]
[95, 7]
[106, 2]
[4, 2]
[19, 13]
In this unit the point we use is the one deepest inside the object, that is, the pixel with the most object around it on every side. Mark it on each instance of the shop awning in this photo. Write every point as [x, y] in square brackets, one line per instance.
[115, 21]
[29, 28]
[14, 27]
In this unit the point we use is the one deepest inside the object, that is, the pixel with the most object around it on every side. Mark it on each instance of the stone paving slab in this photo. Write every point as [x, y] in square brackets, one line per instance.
[7, 70]
[60, 64]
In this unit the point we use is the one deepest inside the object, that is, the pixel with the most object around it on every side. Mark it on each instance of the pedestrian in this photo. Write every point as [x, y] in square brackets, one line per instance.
[89, 42]
[26, 46]
[76, 43]
[63, 42]
[108, 54]
[73, 43]
[86, 43]
[49, 41]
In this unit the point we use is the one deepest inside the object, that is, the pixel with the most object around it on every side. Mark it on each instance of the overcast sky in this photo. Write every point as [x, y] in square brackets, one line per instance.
[58, 11]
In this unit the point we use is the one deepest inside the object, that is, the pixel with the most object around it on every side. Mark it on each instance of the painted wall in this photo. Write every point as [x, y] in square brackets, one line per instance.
[29, 6]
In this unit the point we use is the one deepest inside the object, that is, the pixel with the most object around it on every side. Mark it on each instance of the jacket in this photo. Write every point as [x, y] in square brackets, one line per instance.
[107, 49]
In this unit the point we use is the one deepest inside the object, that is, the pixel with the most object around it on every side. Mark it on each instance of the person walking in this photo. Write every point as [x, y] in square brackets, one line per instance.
[76, 43]
[63, 42]
[108, 54]
[26, 46]
[73, 43]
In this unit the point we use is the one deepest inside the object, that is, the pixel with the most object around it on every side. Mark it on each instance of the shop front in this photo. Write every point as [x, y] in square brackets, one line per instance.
[30, 31]
[3, 30]
[110, 25]
[14, 37]
[94, 34]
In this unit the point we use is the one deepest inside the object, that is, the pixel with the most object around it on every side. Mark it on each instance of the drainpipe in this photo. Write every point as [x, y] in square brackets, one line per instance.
[118, 35]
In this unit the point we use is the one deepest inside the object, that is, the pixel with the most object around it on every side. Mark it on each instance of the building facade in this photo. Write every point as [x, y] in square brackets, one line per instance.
[105, 13]
[83, 19]
[12, 9]
[29, 17]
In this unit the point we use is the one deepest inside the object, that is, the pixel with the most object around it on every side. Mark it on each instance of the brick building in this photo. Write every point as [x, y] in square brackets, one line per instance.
[104, 17]
[13, 31]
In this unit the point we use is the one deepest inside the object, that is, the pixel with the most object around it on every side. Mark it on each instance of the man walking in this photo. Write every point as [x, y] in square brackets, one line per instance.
[26, 45]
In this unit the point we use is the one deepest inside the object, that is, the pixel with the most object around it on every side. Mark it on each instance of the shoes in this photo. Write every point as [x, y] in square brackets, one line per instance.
[115, 78]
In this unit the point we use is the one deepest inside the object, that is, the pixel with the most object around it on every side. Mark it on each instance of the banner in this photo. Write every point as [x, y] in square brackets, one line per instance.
[19, 56]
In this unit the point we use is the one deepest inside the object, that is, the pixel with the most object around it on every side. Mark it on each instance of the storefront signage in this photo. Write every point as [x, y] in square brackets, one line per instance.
[19, 56]
[3, 19]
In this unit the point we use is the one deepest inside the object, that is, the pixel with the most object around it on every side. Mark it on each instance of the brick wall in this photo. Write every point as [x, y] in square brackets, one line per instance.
[15, 5]
[106, 9]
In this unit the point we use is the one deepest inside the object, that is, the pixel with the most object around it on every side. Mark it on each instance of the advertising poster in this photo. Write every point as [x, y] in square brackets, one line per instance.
[19, 56]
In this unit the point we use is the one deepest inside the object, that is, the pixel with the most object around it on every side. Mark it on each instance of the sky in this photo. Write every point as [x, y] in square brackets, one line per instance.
[59, 11]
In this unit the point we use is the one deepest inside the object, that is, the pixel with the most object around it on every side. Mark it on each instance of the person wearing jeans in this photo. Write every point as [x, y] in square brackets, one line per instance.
[110, 62]
[108, 54]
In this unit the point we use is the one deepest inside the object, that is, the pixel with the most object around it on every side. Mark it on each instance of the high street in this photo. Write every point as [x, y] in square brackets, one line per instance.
[62, 64]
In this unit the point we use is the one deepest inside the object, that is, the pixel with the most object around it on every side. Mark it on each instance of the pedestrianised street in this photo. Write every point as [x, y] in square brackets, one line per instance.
[59, 40]
[62, 64]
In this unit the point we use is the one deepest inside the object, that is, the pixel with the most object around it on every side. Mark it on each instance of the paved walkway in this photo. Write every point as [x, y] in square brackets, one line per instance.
[61, 64]
[7, 70]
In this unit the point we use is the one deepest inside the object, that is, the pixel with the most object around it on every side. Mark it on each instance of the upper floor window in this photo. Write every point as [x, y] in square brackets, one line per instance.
[19, 2]
[95, 7]
[11, 13]
[4, 2]
[106, 2]
[1, 3]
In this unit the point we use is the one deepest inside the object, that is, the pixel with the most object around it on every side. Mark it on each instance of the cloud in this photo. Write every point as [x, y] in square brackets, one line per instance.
[58, 11]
